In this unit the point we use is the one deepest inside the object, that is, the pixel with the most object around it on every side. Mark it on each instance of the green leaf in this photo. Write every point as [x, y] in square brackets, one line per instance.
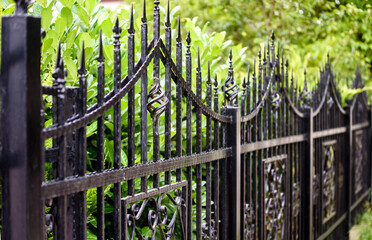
[46, 18]
[67, 3]
[106, 27]
[43, 3]
[70, 38]
[60, 26]
[83, 15]
[90, 5]
[71, 68]
[67, 15]
[91, 129]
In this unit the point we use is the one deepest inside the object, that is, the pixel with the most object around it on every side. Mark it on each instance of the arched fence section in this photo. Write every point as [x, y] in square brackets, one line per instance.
[272, 162]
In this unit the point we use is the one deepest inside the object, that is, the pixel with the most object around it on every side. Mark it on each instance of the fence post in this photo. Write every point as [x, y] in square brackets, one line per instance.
[349, 163]
[21, 168]
[307, 180]
[231, 178]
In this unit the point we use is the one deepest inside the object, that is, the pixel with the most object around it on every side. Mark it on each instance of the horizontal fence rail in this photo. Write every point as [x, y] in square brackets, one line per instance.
[166, 160]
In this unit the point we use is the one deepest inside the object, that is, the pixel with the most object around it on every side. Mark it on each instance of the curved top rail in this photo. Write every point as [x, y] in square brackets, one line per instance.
[55, 131]
[262, 102]
[180, 80]
[338, 104]
[293, 106]
[355, 98]
[317, 110]
[110, 94]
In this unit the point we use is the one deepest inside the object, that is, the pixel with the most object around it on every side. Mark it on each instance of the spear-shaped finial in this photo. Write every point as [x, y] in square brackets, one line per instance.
[131, 24]
[82, 69]
[144, 18]
[188, 38]
[178, 38]
[272, 35]
[58, 58]
[215, 85]
[248, 74]
[328, 57]
[244, 85]
[259, 54]
[209, 74]
[264, 56]
[286, 62]
[167, 17]
[116, 29]
[254, 67]
[198, 67]
[230, 60]
[21, 7]
[100, 57]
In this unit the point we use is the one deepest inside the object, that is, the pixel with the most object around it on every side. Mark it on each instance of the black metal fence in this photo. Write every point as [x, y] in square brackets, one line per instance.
[285, 164]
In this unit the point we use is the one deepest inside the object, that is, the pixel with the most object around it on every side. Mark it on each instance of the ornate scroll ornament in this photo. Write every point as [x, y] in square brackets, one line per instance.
[358, 172]
[156, 214]
[329, 183]
[315, 188]
[275, 99]
[157, 101]
[230, 88]
[296, 192]
[274, 197]
[21, 6]
[209, 233]
[306, 94]
[249, 226]
[330, 102]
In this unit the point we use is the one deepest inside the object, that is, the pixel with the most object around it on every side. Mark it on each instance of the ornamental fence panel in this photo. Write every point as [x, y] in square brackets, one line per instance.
[272, 162]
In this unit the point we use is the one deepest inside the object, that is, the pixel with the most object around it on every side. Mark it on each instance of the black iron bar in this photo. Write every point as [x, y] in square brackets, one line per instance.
[100, 140]
[117, 130]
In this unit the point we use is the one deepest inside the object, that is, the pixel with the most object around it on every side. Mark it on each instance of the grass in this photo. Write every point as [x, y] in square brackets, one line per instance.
[363, 231]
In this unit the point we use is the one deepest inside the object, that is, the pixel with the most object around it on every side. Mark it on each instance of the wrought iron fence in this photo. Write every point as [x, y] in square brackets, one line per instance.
[285, 164]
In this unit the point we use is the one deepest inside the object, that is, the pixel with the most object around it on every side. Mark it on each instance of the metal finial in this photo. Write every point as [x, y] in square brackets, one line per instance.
[167, 18]
[327, 57]
[131, 24]
[264, 57]
[259, 54]
[116, 29]
[215, 81]
[244, 85]
[188, 38]
[82, 69]
[286, 62]
[178, 38]
[144, 19]
[198, 67]
[100, 57]
[230, 87]
[272, 35]
[230, 55]
[58, 58]
[209, 74]
[248, 74]
[254, 67]
[21, 7]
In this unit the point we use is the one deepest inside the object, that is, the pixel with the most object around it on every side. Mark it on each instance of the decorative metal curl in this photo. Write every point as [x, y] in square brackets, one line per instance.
[21, 7]
[157, 99]
[249, 226]
[330, 102]
[231, 88]
[275, 200]
[329, 185]
[306, 94]
[157, 217]
[209, 233]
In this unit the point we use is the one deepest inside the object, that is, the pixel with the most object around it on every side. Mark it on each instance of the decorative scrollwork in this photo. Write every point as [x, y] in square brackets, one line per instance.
[249, 226]
[296, 192]
[315, 188]
[161, 220]
[330, 102]
[230, 88]
[306, 94]
[21, 6]
[328, 177]
[358, 172]
[209, 233]
[275, 100]
[157, 100]
[275, 197]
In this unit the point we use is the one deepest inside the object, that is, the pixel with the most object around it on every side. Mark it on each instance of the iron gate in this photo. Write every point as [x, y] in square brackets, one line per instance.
[274, 162]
